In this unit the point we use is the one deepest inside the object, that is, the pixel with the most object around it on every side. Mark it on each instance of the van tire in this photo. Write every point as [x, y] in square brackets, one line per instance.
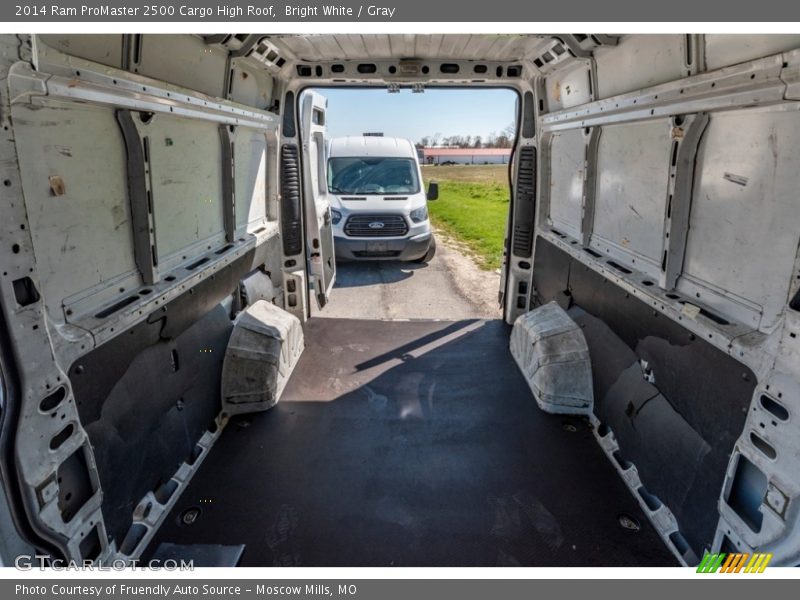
[426, 258]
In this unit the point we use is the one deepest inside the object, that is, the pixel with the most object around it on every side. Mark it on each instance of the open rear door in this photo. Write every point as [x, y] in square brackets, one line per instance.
[319, 231]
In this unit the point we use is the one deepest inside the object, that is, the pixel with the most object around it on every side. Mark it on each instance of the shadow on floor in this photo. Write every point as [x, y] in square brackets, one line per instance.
[355, 274]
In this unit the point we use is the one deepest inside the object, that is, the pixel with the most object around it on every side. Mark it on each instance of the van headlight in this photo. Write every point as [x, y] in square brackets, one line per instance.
[336, 216]
[419, 215]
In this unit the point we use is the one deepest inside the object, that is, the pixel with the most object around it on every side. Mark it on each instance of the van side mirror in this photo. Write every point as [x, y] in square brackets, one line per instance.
[433, 190]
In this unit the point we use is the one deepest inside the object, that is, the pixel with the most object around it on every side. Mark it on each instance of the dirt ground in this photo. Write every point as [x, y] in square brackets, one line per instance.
[450, 287]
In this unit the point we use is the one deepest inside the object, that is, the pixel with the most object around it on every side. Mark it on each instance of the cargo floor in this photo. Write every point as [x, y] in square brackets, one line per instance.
[412, 443]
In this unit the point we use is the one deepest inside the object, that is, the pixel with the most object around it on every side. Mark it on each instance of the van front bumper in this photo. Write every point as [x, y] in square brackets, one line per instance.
[408, 248]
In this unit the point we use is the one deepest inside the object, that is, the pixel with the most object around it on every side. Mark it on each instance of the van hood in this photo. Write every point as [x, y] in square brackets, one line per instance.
[378, 203]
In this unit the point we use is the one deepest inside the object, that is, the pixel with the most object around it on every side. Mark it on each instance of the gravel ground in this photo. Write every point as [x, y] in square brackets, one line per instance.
[450, 287]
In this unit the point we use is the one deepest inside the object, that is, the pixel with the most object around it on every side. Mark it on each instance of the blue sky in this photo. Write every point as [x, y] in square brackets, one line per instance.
[448, 112]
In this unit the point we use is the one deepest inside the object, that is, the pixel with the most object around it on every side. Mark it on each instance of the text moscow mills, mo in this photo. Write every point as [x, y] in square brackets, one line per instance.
[186, 590]
[227, 11]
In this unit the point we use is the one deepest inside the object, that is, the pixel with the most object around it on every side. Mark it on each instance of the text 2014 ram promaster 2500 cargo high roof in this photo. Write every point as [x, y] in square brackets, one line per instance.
[166, 229]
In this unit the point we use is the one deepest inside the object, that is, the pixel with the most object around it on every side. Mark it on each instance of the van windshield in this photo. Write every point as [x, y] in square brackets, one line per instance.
[372, 175]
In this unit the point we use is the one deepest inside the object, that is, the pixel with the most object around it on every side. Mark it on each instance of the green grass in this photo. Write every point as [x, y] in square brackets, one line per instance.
[468, 173]
[472, 207]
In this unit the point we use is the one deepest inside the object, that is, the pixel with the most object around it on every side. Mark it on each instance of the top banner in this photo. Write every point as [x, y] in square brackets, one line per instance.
[405, 11]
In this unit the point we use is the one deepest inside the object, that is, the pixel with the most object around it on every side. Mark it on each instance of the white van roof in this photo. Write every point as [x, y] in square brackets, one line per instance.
[359, 145]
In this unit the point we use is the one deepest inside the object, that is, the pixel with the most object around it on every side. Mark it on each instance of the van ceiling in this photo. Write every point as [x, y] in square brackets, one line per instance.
[326, 47]
[509, 55]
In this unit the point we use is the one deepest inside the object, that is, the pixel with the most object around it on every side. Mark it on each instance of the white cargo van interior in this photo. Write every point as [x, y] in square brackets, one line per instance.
[165, 237]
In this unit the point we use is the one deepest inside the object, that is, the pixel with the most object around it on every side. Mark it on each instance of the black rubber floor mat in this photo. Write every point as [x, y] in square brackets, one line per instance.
[412, 443]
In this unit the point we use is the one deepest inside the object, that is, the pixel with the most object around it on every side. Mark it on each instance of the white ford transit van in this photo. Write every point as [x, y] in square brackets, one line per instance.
[378, 206]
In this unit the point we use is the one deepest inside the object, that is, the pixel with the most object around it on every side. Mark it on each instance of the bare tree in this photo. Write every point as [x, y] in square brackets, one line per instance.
[502, 141]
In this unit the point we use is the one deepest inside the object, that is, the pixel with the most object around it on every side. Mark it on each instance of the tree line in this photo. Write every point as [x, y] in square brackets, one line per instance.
[503, 139]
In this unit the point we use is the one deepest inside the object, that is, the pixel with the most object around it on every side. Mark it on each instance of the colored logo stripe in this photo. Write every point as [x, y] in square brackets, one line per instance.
[710, 563]
[734, 563]
[758, 563]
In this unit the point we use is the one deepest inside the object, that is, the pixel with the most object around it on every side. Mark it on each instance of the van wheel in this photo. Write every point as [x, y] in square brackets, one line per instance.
[429, 254]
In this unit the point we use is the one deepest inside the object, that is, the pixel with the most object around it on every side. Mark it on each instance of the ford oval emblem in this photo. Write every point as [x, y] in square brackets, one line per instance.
[376, 225]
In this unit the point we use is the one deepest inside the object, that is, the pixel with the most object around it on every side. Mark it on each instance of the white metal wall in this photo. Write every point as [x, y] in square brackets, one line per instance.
[691, 187]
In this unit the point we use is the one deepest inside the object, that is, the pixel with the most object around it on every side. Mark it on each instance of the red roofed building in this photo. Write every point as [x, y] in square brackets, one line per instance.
[465, 156]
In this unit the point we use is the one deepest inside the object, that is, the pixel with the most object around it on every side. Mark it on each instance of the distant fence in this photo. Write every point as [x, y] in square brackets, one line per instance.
[465, 156]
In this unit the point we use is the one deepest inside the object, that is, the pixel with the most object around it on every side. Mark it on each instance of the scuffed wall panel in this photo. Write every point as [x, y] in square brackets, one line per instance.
[105, 49]
[632, 176]
[567, 153]
[82, 237]
[745, 222]
[250, 159]
[183, 60]
[186, 176]
[250, 86]
[729, 49]
[569, 87]
[640, 61]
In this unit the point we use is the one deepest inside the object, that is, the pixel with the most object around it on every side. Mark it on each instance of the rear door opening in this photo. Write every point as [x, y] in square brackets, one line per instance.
[413, 172]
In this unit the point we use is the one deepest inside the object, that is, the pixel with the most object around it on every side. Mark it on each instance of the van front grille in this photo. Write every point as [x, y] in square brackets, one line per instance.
[376, 226]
